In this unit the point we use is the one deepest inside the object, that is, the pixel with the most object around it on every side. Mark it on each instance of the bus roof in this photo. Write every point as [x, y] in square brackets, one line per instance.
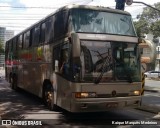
[98, 8]
[69, 7]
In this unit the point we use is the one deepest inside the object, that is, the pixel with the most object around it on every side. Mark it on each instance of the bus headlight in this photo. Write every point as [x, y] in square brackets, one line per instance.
[85, 94]
[137, 93]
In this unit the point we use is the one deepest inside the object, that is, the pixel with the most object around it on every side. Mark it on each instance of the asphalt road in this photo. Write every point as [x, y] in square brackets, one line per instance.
[152, 84]
[22, 105]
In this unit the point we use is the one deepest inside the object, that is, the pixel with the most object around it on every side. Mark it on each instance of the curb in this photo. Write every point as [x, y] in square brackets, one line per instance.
[156, 79]
[155, 91]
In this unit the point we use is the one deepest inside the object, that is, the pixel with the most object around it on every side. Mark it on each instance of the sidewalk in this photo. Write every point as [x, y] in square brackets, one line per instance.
[152, 89]
[150, 107]
[2, 73]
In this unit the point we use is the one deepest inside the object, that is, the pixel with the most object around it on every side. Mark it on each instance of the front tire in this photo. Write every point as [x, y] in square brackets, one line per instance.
[48, 97]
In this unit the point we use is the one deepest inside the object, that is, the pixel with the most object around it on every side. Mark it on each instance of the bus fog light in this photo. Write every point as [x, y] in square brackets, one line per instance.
[85, 94]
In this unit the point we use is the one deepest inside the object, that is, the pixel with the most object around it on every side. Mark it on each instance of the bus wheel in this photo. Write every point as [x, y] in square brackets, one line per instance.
[14, 82]
[10, 76]
[48, 97]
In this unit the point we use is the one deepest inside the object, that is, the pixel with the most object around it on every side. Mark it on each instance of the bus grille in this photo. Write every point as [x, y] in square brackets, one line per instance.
[110, 95]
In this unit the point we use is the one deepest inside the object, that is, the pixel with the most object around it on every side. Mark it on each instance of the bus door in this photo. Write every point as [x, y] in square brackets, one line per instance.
[62, 55]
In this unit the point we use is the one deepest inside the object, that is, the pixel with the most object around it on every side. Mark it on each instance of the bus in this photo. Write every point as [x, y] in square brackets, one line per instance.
[80, 58]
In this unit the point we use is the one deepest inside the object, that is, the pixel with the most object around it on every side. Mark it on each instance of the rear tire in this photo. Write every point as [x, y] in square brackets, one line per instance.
[48, 97]
[14, 82]
[10, 77]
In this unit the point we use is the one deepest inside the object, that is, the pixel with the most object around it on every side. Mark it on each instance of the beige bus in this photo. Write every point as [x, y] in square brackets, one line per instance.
[80, 58]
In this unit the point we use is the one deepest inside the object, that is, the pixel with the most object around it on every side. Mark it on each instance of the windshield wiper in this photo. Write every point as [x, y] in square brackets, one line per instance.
[104, 69]
[99, 54]
[126, 20]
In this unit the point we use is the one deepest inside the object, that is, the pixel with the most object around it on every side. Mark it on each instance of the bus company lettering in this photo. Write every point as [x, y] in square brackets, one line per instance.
[14, 122]
[118, 122]
[134, 122]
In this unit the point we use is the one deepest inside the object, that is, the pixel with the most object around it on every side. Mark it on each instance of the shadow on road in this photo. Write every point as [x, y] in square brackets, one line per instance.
[94, 118]
[15, 104]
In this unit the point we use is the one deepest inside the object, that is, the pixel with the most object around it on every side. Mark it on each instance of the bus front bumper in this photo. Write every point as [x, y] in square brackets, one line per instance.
[104, 104]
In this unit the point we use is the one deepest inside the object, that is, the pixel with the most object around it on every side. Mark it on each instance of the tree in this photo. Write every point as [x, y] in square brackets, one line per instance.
[149, 21]
[1, 47]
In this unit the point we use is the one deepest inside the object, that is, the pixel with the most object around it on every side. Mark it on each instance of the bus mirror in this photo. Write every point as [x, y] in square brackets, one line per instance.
[76, 50]
[148, 46]
[140, 40]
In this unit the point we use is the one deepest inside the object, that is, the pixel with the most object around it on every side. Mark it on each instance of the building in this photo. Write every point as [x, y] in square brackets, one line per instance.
[157, 61]
[9, 34]
[4, 36]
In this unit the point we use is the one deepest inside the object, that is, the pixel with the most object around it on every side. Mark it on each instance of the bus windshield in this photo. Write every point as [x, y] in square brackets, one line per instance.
[109, 61]
[91, 21]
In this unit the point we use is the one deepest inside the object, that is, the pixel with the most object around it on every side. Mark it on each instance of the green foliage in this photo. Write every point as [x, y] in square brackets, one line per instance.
[1, 47]
[149, 21]
[141, 27]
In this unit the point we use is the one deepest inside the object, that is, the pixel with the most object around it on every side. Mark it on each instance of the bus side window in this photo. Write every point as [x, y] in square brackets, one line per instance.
[35, 35]
[26, 39]
[56, 57]
[20, 42]
[65, 62]
[42, 37]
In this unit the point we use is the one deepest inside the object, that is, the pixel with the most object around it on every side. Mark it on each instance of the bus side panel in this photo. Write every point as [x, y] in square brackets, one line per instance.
[63, 93]
[20, 75]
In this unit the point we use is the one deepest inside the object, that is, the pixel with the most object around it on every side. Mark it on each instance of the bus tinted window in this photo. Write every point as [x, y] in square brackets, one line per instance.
[35, 35]
[20, 42]
[26, 39]
[42, 37]
[49, 30]
[6, 50]
[14, 44]
[60, 24]
[93, 21]
[10, 46]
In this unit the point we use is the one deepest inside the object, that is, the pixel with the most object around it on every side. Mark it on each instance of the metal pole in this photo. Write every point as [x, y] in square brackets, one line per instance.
[147, 5]
[159, 60]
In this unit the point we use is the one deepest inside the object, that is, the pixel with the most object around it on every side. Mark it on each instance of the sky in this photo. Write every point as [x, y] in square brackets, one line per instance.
[20, 14]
